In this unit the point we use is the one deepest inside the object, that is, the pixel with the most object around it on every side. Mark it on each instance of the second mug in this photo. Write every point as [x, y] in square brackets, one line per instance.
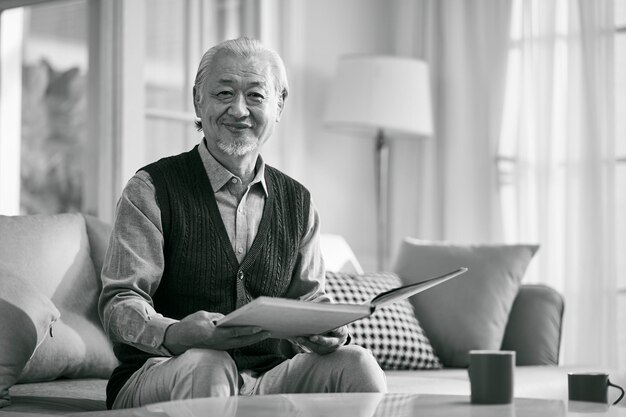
[491, 374]
[591, 386]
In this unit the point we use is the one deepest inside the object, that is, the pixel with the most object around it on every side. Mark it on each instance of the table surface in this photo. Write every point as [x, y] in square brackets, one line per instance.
[367, 405]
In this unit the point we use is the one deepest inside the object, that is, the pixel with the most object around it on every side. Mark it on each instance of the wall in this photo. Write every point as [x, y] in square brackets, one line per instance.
[338, 167]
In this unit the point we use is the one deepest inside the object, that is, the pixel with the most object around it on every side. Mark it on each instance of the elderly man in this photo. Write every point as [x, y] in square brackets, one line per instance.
[202, 233]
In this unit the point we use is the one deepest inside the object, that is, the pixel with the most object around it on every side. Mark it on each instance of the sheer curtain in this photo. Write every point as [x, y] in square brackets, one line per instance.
[557, 163]
[524, 144]
[465, 44]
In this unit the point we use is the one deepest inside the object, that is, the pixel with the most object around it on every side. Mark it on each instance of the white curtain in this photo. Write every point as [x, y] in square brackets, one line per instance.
[466, 46]
[557, 163]
[524, 144]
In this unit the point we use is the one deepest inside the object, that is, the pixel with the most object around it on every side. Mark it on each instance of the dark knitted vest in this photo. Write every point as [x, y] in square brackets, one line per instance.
[201, 270]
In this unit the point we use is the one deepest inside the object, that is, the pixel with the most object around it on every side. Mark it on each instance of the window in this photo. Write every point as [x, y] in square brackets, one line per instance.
[44, 99]
[168, 71]
[137, 96]
[176, 36]
[562, 163]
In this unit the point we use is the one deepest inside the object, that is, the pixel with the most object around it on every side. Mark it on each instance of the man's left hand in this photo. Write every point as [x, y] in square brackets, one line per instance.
[325, 343]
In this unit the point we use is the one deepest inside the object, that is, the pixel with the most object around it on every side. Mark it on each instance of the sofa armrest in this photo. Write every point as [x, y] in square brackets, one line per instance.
[534, 326]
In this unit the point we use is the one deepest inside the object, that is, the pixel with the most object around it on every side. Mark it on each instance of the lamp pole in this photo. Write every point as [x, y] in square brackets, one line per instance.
[360, 98]
[382, 197]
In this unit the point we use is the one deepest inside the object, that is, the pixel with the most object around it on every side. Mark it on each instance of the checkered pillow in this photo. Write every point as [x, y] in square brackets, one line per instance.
[392, 333]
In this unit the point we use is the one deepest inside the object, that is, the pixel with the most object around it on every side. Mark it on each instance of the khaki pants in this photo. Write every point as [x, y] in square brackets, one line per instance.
[202, 373]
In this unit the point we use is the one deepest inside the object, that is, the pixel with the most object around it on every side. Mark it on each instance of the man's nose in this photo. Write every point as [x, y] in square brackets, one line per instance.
[238, 107]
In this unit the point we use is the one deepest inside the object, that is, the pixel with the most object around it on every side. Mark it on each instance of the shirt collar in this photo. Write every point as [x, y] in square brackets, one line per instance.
[219, 175]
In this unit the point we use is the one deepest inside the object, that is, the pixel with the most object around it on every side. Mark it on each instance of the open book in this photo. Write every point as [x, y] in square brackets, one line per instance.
[285, 318]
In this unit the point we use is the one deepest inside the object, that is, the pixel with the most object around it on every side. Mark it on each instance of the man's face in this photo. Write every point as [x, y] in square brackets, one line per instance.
[238, 104]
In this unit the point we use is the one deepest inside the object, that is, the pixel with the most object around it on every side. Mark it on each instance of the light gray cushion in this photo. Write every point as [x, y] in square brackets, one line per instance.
[25, 318]
[471, 311]
[52, 253]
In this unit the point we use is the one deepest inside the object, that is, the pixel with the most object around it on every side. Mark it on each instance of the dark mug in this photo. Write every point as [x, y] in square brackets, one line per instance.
[591, 386]
[491, 376]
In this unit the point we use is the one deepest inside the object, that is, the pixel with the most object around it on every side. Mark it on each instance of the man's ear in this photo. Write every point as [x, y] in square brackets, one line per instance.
[281, 106]
[196, 101]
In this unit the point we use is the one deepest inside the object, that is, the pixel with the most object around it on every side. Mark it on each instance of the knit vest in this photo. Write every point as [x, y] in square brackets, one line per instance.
[201, 269]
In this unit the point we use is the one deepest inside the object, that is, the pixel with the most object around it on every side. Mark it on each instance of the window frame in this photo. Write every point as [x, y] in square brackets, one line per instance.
[620, 30]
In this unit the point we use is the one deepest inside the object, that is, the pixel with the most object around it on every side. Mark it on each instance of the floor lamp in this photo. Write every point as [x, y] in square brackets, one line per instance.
[384, 94]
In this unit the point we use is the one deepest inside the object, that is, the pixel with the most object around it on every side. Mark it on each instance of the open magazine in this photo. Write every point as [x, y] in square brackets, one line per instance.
[285, 318]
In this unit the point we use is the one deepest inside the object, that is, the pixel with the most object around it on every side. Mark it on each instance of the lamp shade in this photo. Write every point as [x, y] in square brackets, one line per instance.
[381, 92]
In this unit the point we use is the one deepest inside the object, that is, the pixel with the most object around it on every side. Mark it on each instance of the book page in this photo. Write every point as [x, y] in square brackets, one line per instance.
[285, 318]
[406, 291]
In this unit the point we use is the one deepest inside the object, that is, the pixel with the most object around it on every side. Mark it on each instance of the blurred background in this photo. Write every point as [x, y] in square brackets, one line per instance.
[528, 109]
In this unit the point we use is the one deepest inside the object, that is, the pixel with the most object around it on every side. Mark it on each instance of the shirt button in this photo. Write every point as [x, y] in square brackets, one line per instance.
[240, 250]
[234, 181]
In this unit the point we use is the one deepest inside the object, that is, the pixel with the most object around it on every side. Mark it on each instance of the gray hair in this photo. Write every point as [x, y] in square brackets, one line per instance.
[243, 47]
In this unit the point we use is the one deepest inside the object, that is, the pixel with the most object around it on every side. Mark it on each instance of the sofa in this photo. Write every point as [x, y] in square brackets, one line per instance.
[55, 356]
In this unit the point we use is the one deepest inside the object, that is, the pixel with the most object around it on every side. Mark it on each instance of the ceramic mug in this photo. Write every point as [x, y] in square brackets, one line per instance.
[491, 375]
[591, 386]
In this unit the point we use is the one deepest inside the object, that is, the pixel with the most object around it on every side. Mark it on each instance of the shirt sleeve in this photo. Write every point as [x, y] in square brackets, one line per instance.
[132, 270]
[308, 278]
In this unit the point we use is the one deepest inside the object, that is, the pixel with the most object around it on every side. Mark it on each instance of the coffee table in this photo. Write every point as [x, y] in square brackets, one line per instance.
[366, 405]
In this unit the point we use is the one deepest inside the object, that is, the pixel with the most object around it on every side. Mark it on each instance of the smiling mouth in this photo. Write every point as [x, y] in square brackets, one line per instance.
[237, 127]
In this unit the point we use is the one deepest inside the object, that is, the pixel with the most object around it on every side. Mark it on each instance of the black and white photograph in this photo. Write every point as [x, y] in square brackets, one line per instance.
[312, 208]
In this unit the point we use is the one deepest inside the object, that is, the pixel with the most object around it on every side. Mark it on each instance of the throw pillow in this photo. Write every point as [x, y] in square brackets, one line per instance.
[52, 253]
[392, 333]
[471, 311]
[26, 316]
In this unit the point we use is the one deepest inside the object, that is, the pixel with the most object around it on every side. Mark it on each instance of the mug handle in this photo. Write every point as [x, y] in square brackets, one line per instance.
[619, 388]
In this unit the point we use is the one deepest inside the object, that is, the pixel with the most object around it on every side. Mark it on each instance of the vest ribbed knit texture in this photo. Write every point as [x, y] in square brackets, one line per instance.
[201, 269]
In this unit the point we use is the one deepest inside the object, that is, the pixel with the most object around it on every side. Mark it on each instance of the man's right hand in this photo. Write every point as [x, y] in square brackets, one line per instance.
[198, 330]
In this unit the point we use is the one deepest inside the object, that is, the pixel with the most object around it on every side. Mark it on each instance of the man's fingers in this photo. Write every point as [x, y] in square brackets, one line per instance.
[319, 344]
[325, 340]
[305, 342]
[212, 316]
[340, 333]
[316, 342]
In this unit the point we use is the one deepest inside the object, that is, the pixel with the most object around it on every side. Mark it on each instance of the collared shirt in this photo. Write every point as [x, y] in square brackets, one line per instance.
[134, 261]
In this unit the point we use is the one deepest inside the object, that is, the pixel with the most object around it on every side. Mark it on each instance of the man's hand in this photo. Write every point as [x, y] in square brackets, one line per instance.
[198, 330]
[325, 343]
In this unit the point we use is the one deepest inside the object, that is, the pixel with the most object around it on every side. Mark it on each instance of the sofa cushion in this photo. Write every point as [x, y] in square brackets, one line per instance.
[52, 253]
[471, 311]
[25, 318]
[392, 333]
[61, 397]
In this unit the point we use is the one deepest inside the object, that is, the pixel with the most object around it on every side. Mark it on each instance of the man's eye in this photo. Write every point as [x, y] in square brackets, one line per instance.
[223, 94]
[258, 97]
